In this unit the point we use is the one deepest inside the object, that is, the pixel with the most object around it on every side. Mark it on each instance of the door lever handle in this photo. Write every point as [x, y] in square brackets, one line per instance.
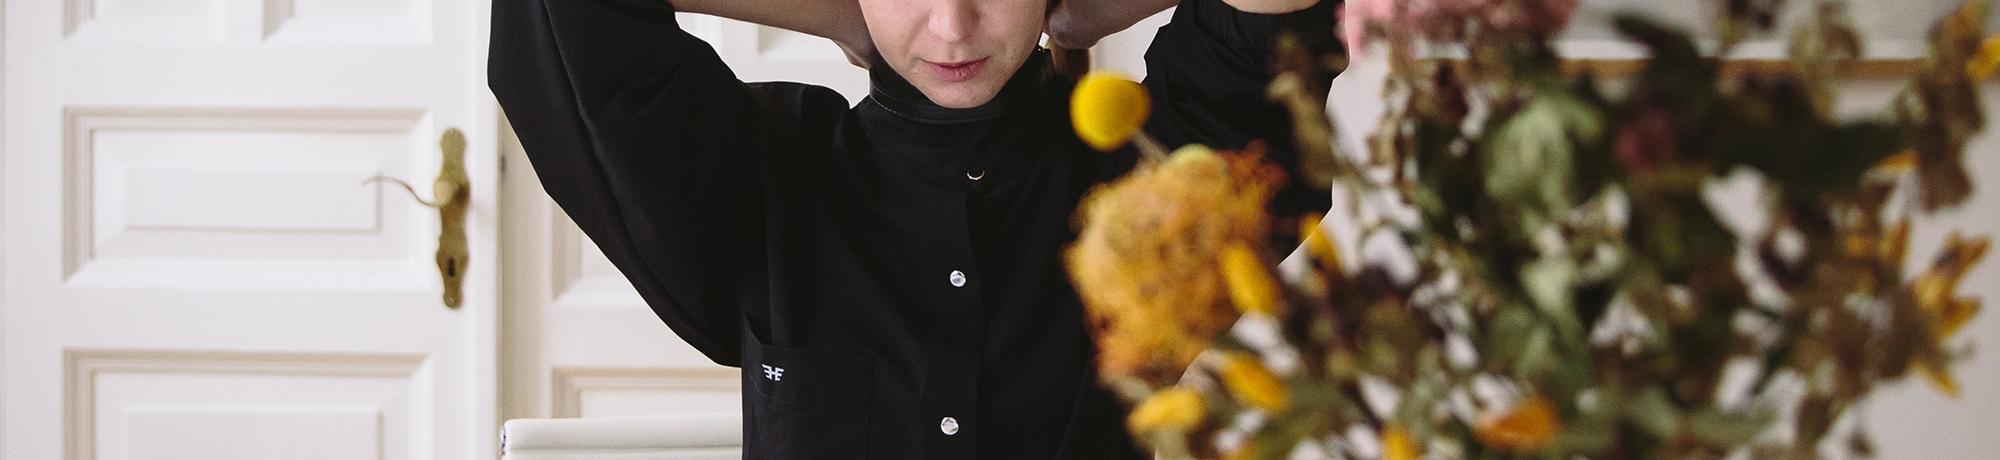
[451, 195]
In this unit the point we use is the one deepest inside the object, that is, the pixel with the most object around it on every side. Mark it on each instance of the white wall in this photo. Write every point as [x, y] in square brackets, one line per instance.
[3, 213]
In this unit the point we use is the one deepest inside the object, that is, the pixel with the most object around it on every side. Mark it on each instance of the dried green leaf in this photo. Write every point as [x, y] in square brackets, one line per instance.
[1719, 428]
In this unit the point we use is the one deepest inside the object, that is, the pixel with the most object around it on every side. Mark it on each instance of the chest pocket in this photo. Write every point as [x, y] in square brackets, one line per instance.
[807, 403]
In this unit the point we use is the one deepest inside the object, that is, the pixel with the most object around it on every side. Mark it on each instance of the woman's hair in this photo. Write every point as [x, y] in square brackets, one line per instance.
[1064, 61]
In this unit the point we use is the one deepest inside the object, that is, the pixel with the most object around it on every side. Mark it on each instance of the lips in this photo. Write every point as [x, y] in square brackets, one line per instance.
[957, 71]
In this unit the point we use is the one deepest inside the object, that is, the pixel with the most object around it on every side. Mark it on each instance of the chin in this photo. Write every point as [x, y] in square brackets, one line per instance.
[961, 97]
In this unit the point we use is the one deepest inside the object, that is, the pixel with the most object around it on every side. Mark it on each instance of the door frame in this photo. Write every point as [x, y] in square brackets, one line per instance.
[484, 137]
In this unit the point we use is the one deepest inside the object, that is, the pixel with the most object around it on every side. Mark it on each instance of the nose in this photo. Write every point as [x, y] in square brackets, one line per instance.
[954, 20]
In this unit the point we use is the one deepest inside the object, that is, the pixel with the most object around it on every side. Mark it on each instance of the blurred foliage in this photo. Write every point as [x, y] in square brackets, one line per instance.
[1529, 263]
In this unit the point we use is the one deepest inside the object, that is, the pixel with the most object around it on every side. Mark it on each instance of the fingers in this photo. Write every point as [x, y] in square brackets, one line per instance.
[1068, 28]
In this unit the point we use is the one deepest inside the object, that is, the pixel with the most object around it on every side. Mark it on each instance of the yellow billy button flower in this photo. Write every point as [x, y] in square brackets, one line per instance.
[1530, 426]
[1253, 384]
[1250, 283]
[1396, 444]
[1174, 408]
[1108, 109]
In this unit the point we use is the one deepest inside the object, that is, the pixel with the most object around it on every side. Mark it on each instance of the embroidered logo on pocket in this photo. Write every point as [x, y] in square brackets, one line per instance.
[773, 373]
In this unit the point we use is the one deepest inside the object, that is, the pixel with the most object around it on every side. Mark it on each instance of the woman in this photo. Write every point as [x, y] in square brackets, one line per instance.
[886, 275]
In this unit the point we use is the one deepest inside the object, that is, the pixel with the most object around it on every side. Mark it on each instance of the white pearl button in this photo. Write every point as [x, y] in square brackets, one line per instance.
[949, 426]
[957, 278]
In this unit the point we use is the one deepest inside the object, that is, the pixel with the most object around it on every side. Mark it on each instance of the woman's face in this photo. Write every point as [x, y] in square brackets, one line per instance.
[957, 52]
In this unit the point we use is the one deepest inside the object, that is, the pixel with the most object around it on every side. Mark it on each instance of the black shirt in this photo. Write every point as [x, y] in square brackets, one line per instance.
[888, 275]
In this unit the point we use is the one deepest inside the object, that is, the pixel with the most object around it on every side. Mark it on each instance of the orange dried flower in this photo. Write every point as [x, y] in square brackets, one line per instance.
[1895, 244]
[1940, 378]
[1899, 163]
[1396, 444]
[1529, 426]
[1986, 62]
[1145, 260]
[1934, 293]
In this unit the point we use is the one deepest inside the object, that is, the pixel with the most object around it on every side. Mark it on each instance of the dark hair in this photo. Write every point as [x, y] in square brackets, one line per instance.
[1063, 61]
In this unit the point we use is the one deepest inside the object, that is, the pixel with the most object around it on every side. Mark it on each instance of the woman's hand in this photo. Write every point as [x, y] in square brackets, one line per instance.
[1079, 24]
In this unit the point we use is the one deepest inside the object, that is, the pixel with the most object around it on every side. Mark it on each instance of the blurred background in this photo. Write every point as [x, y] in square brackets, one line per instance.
[193, 267]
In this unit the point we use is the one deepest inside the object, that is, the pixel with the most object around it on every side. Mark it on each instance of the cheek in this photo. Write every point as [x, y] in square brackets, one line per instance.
[1021, 17]
[891, 24]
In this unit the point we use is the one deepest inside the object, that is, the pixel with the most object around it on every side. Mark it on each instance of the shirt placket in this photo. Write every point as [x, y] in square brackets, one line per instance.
[951, 396]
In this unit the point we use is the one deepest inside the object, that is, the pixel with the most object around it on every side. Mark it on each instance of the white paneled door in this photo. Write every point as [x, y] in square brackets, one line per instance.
[193, 266]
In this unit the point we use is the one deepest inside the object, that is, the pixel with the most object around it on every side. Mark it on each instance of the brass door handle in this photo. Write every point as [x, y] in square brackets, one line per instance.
[451, 195]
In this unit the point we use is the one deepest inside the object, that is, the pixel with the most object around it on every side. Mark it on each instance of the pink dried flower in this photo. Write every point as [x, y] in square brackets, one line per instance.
[1443, 19]
[1357, 15]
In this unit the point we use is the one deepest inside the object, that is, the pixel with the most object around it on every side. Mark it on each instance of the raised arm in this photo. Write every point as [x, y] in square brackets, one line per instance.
[836, 20]
[638, 131]
[1209, 68]
[1079, 24]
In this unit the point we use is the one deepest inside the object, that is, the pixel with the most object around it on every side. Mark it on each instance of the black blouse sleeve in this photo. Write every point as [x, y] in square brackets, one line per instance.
[636, 129]
[1208, 69]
